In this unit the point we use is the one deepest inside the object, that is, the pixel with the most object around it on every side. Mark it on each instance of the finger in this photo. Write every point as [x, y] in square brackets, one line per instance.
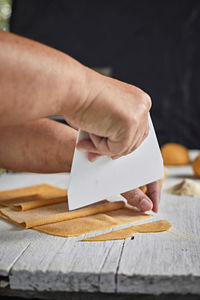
[125, 152]
[137, 198]
[140, 140]
[71, 124]
[144, 136]
[93, 156]
[95, 139]
[136, 145]
[86, 145]
[133, 147]
[110, 147]
[94, 144]
[153, 192]
[101, 144]
[137, 140]
[141, 137]
[115, 157]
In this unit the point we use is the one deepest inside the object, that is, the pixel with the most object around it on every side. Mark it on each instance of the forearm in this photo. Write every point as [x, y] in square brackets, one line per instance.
[36, 81]
[42, 146]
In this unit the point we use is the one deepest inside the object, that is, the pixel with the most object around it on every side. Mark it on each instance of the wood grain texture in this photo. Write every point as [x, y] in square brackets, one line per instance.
[67, 265]
[151, 263]
[55, 263]
[165, 262]
[13, 242]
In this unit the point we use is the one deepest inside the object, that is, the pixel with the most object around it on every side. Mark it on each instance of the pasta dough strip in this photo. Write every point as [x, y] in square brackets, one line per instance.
[157, 226]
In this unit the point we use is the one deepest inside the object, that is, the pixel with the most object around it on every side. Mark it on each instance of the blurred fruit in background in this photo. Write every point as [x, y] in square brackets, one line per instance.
[175, 155]
[196, 166]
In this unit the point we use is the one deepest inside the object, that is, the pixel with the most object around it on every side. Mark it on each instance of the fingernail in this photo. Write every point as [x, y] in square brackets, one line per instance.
[145, 205]
[81, 149]
[92, 160]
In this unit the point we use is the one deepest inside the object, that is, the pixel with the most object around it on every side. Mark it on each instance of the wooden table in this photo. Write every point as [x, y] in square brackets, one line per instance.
[40, 265]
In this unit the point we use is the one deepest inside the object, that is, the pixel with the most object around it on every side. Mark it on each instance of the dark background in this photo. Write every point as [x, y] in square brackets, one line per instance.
[153, 44]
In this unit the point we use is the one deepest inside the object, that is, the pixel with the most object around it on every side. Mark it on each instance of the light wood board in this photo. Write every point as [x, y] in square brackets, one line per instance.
[156, 263]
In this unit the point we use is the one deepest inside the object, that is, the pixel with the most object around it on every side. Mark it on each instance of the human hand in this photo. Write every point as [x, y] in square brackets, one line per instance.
[115, 115]
[148, 201]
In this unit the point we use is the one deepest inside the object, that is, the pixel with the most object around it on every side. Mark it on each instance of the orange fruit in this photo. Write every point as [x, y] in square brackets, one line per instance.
[144, 188]
[175, 154]
[196, 166]
[165, 175]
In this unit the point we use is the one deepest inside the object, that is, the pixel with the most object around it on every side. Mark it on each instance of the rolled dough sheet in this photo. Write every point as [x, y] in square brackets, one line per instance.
[94, 223]
[157, 226]
[57, 220]
[30, 197]
[38, 202]
[56, 213]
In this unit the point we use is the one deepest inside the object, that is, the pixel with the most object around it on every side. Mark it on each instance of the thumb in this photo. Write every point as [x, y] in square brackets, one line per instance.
[137, 198]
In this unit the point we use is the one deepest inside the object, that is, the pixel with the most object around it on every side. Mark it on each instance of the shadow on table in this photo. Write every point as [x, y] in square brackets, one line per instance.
[89, 296]
[184, 176]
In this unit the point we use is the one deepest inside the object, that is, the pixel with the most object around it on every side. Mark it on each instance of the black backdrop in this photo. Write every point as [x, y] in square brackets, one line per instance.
[153, 44]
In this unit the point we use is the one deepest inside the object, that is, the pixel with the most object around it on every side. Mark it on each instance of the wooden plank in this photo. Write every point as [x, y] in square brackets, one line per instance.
[85, 266]
[175, 175]
[165, 262]
[32, 268]
[151, 263]
[60, 264]
[4, 282]
[108, 271]
[14, 241]
[39, 268]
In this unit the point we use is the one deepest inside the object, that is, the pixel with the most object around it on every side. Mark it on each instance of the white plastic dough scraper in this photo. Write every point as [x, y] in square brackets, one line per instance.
[91, 182]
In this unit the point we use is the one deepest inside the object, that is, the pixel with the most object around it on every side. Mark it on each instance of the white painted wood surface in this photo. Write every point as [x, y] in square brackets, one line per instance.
[165, 262]
[13, 242]
[151, 263]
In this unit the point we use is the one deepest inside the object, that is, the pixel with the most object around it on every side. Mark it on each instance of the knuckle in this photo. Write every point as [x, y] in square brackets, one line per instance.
[146, 133]
[115, 149]
[128, 119]
[146, 99]
[131, 124]
[124, 147]
[149, 101]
